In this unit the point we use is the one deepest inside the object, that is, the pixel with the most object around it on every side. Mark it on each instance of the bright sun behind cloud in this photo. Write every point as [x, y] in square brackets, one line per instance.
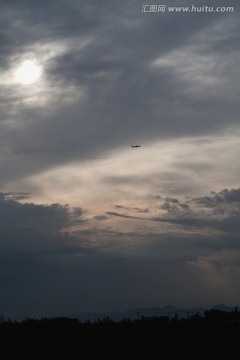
[28, 72]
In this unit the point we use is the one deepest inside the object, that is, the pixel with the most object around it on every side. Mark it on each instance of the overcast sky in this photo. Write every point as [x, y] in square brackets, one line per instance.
[88, 223]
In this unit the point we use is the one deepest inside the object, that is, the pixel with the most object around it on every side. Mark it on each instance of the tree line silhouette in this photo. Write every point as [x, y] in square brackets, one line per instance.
[213, 317]
[216, 331]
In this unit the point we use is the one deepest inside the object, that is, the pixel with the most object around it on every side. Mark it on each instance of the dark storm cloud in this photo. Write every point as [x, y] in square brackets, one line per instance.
[224, 214]
[174, 206]
[225, 196]
[31, 227]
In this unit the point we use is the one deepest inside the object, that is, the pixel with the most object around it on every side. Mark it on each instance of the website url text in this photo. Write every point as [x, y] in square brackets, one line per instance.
[186, 9]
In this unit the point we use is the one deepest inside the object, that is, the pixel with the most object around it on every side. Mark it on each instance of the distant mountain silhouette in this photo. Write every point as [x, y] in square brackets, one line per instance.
[169, 310]
[223, 308]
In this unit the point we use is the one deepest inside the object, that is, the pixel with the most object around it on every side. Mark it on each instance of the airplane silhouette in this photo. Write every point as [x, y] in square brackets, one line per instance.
[135, 146]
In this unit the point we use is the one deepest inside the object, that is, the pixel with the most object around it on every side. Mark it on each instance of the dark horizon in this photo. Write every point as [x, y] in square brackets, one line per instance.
[169, 311]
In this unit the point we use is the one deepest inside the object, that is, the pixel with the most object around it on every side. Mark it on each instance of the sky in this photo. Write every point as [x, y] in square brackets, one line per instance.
[88, 223]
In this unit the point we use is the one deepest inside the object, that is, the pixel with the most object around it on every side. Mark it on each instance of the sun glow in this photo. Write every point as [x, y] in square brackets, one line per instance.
[28, 72]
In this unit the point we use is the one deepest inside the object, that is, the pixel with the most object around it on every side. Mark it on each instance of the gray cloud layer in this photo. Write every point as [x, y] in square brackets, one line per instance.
[102, 87]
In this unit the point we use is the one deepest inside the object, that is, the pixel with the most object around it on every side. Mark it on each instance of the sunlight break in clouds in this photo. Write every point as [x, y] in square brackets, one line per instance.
[28, 72]
[130, 177]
